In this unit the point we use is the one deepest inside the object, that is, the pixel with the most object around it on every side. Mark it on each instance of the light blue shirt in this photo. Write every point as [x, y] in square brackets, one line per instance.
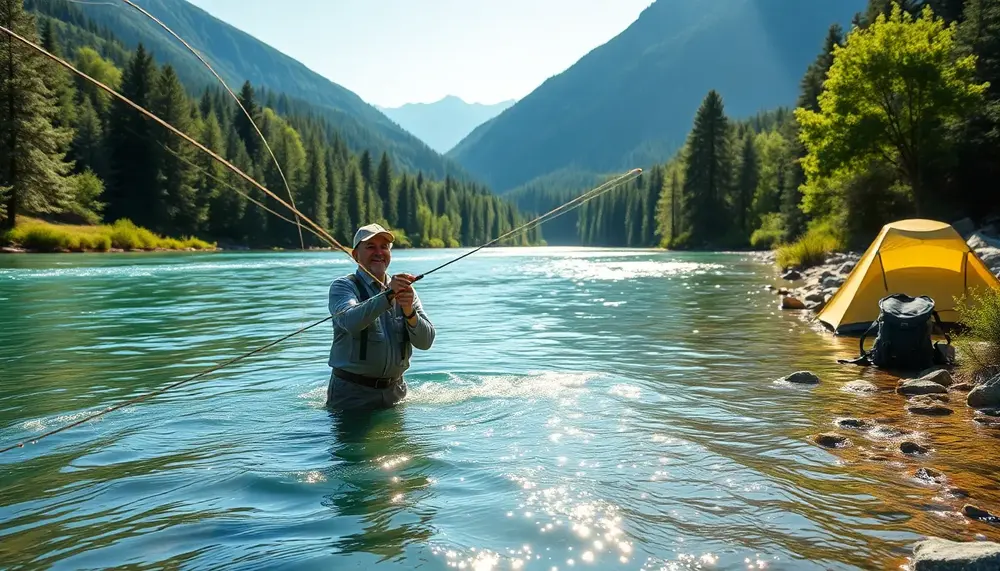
[385, 323]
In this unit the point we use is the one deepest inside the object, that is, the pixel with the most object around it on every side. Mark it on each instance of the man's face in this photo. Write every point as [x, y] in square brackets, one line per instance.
[374, 254]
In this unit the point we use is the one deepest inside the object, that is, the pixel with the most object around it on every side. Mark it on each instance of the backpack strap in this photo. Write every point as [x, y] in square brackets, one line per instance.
[362, 297]
[940, 327]
[865, 357]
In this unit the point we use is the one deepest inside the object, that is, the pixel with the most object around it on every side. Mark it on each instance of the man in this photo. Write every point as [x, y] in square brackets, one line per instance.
[373, 332]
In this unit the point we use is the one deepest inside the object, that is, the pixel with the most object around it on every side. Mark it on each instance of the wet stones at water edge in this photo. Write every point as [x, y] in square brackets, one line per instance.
[860, 386]
[979, 514]
[919, 387]
[985, 395]
[929, 475]
[801, 378]
[855, 424]
[832, 440]
[913, 449]
[936, 554]
[929, 405]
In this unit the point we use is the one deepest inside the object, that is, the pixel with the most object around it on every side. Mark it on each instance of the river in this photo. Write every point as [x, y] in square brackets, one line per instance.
[580, 409]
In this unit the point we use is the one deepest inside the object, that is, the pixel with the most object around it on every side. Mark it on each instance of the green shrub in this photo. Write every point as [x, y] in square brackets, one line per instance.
[809, 250]
[979, 343]
[33, 234]
[772, 229]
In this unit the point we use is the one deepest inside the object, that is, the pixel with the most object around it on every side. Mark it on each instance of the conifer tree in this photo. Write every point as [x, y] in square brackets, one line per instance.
[245, 129]
[133, 154]
[182, 213]
[708, 173]
[33, 163]
[746, 185]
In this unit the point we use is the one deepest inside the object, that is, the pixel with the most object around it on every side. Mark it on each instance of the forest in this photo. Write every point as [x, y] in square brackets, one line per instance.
[72, 153]
[898, 117]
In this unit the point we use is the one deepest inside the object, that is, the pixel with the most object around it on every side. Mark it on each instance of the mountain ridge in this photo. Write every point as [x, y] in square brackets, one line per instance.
[443, 123]
[238, 56]
[630, 101]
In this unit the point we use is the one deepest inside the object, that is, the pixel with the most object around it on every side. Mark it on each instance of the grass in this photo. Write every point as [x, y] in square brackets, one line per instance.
[40, 236]
[809, 250]
[979, 343]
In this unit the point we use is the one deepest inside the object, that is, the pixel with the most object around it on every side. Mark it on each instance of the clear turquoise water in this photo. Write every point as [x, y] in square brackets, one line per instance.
[581, 409]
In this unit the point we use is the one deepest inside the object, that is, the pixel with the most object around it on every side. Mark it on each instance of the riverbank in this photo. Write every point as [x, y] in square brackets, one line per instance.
[32, 235]
[930, 401]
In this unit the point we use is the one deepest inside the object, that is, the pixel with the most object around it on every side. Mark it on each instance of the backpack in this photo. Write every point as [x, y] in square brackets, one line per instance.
[903, 341]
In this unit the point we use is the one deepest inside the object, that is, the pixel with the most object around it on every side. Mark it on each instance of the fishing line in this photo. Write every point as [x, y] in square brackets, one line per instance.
[235, 98]
[589, 195]
[325, 235]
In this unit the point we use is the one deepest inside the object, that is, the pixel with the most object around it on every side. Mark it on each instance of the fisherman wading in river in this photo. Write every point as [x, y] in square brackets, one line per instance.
[373, 334]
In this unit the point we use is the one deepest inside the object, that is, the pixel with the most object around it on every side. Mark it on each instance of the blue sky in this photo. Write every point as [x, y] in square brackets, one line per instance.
[421, 50]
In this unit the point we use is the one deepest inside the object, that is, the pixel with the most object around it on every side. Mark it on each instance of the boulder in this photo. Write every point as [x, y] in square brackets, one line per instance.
[833, 282]
[860, 386]
[936, 554]
[789, 302]
[985, 395]
[831, 440]
[964, 387]
[801, 377]
[939, 376]
[929, 475]
[973, 512]
[965, 227]
[934, 398]
[816, 296]
[919, 387]
[929, 409]
[912, 448]
[791, 276]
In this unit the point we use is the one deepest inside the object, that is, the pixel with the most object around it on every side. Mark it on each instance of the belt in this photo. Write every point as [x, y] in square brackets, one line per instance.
[371, 382]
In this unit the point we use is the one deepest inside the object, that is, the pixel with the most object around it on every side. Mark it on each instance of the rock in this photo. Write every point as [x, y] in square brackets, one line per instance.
[990, 256]
[964, 387]
[988, 412]
[980, 514]
[816, 296]
[789, 302]
[832, 440]
[965, 227]
[936, 554]
[801, 377]
[927, 400]
[833, 282]
[929, 475]
[919, 387]
[986, 395]
[929, 410]
[912, 448]
[791, 276]
[958, 492]
[860, 386]
[855, 423]
[888, 432]
[939, 376]
[784, 291]
[977, 242]
[845, 268]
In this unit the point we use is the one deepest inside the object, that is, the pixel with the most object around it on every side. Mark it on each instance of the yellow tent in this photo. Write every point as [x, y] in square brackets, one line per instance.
[914, 257]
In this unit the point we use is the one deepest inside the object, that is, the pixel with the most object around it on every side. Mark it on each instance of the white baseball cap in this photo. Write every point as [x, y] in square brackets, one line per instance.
[370, 231]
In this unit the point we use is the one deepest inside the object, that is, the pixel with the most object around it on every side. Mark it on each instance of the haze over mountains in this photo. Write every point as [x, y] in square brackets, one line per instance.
[443, 123]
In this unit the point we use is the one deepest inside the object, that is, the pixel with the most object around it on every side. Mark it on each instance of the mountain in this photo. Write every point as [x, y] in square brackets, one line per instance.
[631, 101]
[444, 123]
[238, 56]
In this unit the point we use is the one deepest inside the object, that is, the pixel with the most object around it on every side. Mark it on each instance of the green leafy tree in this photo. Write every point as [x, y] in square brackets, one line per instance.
[890, 88]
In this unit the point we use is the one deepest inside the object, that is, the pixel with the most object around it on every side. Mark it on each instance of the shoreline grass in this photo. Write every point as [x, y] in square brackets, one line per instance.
[38, 236]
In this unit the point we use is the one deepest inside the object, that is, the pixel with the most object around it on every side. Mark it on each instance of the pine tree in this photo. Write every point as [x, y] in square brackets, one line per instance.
[746, 185]
[708, 172]
[58, 78]
[32, 149]
[367, 169]
[315, 194]
[245, 129]
[133, 154]
[182, 213]
[386, 192]
[355, 194]
[222, 205]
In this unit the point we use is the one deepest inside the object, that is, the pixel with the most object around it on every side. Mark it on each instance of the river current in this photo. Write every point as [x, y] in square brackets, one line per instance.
[580, 409]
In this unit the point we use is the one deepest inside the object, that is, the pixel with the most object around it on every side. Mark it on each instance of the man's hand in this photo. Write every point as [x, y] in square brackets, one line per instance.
[401, 283]
[404, 297]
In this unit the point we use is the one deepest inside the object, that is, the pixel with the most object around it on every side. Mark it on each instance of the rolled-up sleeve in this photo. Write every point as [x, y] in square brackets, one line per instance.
[348, 313]
[422, 334]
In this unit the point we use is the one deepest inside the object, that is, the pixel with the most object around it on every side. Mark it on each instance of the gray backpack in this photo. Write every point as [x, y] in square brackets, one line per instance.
[903, 341]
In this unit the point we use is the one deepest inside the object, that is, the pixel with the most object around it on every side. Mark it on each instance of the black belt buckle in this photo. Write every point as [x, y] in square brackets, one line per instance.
[371, 382]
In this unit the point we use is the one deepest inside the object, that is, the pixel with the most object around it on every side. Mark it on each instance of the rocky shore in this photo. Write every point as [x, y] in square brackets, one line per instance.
[933, 392]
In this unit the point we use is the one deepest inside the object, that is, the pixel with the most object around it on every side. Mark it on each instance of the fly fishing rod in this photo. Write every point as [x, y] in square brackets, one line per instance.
[320, 231]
